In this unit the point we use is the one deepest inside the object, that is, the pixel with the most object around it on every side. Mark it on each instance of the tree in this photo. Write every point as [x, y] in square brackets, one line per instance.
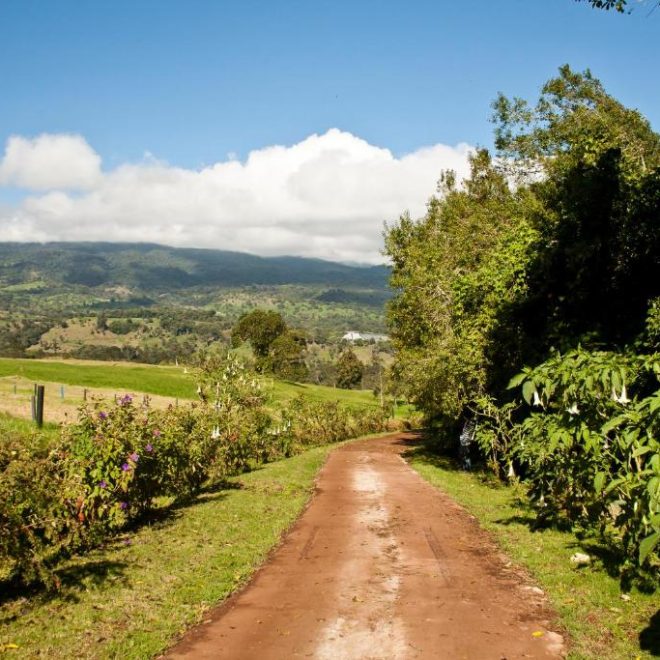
[349, 370]
[618, 5]
[596, 260]
[287, 356]
[260, 328]
[555, 243]
[455, 271]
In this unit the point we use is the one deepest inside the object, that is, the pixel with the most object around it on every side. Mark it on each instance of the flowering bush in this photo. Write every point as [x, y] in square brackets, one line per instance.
[109, 467]
[585, 440]
[115, 451]
[307, 423]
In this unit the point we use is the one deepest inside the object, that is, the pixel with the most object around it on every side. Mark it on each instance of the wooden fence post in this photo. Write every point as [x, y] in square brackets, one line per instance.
[40, 405]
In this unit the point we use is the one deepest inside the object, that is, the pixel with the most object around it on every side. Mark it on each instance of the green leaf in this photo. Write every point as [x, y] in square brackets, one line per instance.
[647, 545]
[516, 380]
[528, 390]
[653, 485]
[599, 481]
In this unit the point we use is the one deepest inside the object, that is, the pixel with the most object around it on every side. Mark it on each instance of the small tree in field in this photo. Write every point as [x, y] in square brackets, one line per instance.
[260, 328]
[349, 370]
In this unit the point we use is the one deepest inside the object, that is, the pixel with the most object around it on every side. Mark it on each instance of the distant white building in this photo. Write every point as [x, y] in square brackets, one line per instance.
[364, 336]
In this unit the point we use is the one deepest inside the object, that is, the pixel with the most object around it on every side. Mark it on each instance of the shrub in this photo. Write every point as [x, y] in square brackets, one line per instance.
[38, 506]
[109, 468]
[585, 440]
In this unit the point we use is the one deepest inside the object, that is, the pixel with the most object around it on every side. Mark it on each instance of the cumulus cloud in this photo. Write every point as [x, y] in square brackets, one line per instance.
[50, 161]
[326, 196]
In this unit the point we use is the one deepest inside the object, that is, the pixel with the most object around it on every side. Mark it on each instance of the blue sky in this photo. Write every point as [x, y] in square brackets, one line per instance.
[197, 82]
[191, 81]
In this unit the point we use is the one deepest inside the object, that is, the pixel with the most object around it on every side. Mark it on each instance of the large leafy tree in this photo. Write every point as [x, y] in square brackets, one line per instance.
[454, 271]
[597, 258]
[552, 244]
[277, 348]
[287, 356]
[260, 328]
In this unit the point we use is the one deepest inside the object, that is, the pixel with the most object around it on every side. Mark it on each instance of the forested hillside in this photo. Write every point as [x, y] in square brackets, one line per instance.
[148, 266]
[152, 303]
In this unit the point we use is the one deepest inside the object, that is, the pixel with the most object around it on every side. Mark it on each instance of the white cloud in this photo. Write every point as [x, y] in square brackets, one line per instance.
[326, 197]
[50, 161]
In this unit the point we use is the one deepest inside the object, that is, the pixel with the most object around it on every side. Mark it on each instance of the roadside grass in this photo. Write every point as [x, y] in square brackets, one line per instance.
[13, 426]
[601, 622]
[131, 598]
[10, 424]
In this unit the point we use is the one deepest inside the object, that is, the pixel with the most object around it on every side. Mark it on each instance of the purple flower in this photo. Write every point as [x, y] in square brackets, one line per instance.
[135, 457]
[126, 399]
[156, 433]
[125, 467]
[103, 484]
[123, 506]
[103, 415]
[149, 447]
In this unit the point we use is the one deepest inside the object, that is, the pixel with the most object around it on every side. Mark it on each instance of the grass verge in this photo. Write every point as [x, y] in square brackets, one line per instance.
[131, 598]
[602, 623]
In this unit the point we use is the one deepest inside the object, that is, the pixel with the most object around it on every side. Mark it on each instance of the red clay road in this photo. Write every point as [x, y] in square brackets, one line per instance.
[380, 565]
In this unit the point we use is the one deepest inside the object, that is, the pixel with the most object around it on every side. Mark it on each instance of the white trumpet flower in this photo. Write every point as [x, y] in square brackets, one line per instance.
[215, 434]
[573, 410]
[537, 399]
[622, 398]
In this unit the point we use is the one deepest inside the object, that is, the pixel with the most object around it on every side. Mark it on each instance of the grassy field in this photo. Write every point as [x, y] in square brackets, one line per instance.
[602, 623]
[133, 597]
[170, 382]
[10, 424]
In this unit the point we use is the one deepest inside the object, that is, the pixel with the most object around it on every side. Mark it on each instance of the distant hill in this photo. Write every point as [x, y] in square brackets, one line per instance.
[151, 267]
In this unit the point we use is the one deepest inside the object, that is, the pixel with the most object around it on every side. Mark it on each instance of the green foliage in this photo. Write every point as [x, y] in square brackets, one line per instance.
[36, 514]
[260, 328]
[549, 255]
[308, 423]
[458, 271]
[595, 264]
[278, 349]
[586, 442]
[349, 369]
[287, 356]
[116, 463]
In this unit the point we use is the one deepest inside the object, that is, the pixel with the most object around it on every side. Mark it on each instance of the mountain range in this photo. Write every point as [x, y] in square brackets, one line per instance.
[152, 267]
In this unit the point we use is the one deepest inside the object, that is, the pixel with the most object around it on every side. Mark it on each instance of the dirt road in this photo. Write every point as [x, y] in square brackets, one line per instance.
[381, 565]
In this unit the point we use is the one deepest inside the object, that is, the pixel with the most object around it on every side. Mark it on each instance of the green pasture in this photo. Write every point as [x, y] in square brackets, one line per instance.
[164, 381]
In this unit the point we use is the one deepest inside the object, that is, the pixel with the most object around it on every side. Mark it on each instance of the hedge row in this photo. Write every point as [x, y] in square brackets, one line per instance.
[109, 469]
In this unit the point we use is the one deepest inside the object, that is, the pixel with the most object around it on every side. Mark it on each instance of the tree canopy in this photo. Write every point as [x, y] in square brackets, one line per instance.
[528, 297]
[622, 6]
[552, 243]
[276, 347]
